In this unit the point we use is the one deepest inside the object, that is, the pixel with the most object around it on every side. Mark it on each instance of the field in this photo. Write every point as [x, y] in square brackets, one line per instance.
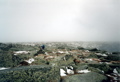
[57, 62]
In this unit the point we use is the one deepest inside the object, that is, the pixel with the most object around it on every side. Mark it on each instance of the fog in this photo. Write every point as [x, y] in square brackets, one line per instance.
[59, 20]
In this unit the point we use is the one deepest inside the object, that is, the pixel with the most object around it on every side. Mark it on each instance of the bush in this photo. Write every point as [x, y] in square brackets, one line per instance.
[88, 77]
[80, 48]
[113, 57]
[7, 59]
[30, 74]
[103, 67]
[61, 47]
[94, 49]
[92, 56]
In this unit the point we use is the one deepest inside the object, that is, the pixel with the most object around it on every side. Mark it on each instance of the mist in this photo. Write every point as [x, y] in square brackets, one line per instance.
[59, 20]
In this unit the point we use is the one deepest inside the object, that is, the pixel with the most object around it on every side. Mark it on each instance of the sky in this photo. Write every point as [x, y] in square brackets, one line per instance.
[59, 20]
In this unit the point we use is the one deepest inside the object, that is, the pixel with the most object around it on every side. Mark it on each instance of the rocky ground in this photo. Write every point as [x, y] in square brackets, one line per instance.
[66, 63]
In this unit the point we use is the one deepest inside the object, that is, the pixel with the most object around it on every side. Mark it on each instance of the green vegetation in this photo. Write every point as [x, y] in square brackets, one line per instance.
[7, 59]
[92, 56]
[89, 77]
[80, 48]
[106, 68]
[113, 57]
[46, 63]
[39, 61]
[31, 74]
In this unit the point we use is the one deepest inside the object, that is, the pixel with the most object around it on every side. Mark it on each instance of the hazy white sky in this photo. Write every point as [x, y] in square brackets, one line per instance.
[59, 20]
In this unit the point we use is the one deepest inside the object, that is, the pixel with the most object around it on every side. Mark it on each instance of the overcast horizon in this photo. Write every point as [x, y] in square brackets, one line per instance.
[59, 20]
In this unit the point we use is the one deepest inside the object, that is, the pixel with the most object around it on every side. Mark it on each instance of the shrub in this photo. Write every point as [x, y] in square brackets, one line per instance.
[103, 67]
[113, 57]
[30, 74]
[7, 59]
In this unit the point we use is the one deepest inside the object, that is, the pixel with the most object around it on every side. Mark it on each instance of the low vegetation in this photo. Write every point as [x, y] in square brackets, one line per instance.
[47, 63]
